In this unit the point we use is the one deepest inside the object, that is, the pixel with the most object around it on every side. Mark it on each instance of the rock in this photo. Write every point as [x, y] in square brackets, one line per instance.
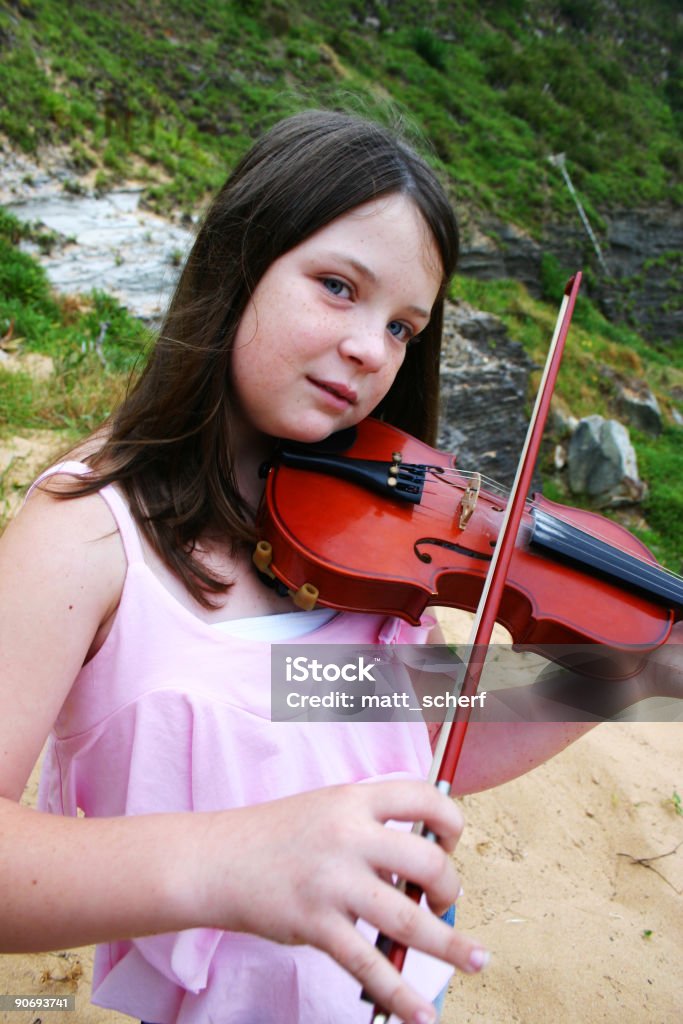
[37, 366]
[484, 379]
[639, 407]
[110, 242]
[561, 420]
[601, 463]
[642, 249]
[645, 258]
[498, 250]
[560, 456]
[633, 401]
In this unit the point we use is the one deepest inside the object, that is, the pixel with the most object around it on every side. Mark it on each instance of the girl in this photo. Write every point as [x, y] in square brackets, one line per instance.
[223, 860]
[136, 628]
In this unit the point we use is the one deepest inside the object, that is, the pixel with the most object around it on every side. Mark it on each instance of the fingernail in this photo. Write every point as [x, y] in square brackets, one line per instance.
[424, 1017]
[478, 960]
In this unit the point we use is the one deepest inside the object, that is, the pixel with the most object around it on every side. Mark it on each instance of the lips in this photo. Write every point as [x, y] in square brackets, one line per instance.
[337, 389]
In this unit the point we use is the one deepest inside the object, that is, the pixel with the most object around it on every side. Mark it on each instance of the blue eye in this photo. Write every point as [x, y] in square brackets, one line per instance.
[336, 286]
[400, 330]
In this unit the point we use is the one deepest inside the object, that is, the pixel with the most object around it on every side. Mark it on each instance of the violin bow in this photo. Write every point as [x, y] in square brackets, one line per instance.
[453, 732]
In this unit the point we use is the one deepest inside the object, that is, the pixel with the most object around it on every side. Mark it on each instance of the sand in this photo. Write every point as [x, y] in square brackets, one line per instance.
[573, 878]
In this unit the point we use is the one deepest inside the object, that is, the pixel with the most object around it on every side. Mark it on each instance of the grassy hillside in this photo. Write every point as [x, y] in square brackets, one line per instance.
[171, 91]
[174, 89]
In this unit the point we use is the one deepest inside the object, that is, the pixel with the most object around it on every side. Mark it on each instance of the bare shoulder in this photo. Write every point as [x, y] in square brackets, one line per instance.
[62, 568]
[73, 535]
[63, 554]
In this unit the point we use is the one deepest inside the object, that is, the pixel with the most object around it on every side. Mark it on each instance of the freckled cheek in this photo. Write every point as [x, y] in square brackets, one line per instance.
[308, 337]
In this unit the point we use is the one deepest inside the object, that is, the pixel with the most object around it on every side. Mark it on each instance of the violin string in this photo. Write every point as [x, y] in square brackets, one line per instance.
[601, 555]
[595, 541]
[493, 488]
[592, 538]
[625, 560]
[446, 473]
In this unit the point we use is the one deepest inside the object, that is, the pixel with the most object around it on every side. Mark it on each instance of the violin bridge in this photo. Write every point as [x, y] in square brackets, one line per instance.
[468, 502]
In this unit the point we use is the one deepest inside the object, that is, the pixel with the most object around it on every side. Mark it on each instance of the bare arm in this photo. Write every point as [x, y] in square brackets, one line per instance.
[61, 572]
[509, 737]
[495, 752]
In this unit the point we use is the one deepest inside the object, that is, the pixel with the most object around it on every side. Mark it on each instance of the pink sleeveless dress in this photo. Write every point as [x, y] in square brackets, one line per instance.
[174, 715]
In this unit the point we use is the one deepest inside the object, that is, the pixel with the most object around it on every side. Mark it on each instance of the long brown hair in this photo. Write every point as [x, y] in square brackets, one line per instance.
[169, 444]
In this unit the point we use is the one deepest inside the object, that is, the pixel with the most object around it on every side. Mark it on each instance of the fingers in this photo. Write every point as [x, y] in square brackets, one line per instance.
[418, 801]
[416, 859]
[380, 979]
[337, 859]
[415, 927]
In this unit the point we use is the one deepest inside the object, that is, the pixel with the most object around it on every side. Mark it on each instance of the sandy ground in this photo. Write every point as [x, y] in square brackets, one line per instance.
[573, 877]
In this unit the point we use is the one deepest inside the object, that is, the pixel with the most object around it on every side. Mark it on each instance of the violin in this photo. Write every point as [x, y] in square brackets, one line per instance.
[375, 520]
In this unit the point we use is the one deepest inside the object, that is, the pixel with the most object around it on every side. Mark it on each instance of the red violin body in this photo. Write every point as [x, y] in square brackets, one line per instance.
[358, 545]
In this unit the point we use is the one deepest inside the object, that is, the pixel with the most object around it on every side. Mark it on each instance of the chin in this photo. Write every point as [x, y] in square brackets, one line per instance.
[316, 429]
[303, 436]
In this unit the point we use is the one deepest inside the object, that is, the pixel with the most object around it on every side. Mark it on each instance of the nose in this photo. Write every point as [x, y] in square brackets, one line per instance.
[365, 345]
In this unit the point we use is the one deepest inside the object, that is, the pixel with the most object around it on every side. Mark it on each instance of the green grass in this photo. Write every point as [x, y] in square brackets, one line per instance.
[81, 392]
[661, 464]
[493, 87]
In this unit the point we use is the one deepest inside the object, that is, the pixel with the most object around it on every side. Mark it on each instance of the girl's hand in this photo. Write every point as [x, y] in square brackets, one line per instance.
[311, 865]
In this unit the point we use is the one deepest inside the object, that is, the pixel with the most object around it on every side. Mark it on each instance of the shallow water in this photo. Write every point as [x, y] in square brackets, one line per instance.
[107, 243]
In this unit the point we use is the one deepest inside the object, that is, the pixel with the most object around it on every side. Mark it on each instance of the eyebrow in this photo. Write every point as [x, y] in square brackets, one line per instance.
[371, 276]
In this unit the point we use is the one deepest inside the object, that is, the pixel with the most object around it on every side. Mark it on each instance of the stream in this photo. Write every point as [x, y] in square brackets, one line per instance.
[106, 242]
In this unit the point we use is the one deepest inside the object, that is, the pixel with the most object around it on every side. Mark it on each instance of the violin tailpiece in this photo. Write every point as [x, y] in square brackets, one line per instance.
[397, 479]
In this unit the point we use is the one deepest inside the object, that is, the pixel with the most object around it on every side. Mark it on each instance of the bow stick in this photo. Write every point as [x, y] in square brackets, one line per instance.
[452, 737]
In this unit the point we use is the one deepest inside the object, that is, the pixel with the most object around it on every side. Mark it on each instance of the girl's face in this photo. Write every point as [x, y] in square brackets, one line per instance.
[326, 330]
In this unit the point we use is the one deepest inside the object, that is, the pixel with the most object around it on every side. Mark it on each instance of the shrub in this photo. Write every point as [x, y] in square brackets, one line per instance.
[430, 48]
